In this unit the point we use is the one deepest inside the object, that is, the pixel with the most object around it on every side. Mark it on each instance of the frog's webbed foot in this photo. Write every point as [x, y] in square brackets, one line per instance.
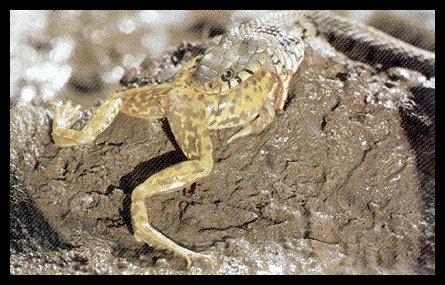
[191, 257]
[265, 117]
[65, 116]
[152, 237]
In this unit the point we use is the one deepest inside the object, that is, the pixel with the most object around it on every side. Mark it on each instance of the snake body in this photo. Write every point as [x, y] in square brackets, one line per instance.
[367, 44]
[281, 34]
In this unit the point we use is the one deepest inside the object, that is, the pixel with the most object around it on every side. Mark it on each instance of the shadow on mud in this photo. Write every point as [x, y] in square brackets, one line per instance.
[422, 139]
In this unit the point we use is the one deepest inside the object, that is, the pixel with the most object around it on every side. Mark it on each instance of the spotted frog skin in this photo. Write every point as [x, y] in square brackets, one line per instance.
[243, 81]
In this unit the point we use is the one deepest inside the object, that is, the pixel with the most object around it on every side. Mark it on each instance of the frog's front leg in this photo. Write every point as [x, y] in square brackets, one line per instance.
[65, 116]
[265, 116]
[188, 124]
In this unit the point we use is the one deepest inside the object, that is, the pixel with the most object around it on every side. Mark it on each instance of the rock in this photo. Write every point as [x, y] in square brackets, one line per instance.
[337, 184]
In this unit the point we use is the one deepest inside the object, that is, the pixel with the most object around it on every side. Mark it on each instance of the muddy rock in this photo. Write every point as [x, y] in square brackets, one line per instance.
[338, 184]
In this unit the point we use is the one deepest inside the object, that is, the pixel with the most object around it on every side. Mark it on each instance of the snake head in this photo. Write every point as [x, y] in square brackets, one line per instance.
[229, 63]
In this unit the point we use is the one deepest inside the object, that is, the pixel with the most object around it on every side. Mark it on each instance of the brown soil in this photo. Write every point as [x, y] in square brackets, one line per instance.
[338, 184]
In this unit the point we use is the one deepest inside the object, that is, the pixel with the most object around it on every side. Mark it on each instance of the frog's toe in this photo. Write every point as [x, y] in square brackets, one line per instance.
[235, 136]
[67, 114]
[192, 257]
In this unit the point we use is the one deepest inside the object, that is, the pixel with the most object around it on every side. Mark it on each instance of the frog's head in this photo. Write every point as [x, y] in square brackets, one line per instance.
[229, 63]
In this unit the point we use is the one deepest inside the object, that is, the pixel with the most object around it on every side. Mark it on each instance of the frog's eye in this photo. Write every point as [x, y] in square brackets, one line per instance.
[227, 75]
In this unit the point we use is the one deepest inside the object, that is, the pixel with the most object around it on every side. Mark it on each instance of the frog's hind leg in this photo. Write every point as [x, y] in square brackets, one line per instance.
[170, 179]
[189, 127]
[65, 116]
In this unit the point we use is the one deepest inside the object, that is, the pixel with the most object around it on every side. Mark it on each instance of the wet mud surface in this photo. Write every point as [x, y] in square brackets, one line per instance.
[338, 184]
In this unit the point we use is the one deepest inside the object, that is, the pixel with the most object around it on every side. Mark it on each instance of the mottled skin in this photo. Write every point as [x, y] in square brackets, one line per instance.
[242, 81]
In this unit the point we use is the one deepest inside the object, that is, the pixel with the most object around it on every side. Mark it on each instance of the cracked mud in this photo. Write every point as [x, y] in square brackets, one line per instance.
[338, 184]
